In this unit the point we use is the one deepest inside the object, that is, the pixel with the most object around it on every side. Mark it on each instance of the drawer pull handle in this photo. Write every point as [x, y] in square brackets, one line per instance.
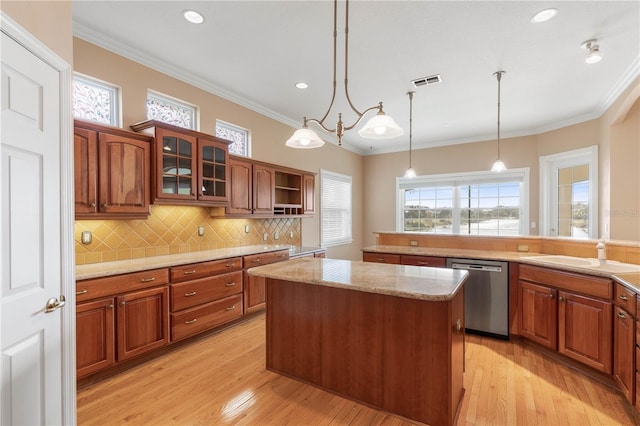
[190, 321]
[621, 315]
[623, 297]
[379, 259]
[148, 280]
[282, 255]
[231, 284]
[458, 326]
[191, 272]
[230, 265]
[193, 293]
[84, 291]
[231, 308]
[423, 263]
[256, 260]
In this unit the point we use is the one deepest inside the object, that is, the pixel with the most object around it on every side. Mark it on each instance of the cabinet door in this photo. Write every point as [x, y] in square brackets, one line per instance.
[124, 170]
[264, 184]
[539, 321]
[175, 175]
[85, 170]
[213, 171]
[254, 292]
[584, 330]
[95, 336]
[143, 321]
[309, 188]
[241, 179]
[623, 350]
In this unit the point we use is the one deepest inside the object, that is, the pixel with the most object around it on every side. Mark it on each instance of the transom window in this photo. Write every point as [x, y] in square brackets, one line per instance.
[480, 203]
[171, 111]
[239, 136]
[95, 100]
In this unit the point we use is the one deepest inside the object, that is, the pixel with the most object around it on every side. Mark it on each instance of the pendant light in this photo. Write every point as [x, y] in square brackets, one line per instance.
[410, 173]
[498, 166]
[380, 126]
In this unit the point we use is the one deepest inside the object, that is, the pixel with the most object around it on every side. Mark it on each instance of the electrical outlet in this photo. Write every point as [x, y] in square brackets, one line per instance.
[265, 236]
[290, 234]
[413, 243]
[246, 229]
[276, 235]
[86, 237]
[523, 248]
[201, 230]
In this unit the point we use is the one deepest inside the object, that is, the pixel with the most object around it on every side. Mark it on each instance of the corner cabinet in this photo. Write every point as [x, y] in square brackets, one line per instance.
[112, 169]
[190, 167]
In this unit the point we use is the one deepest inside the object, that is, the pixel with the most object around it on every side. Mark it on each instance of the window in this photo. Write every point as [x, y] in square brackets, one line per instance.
[569, 194]
[171, 111]
[335, 209]
[238, 135]
[479, 203]
[95, 100]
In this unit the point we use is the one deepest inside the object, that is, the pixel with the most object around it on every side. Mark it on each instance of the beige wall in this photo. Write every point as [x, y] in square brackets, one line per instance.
[268, 136]
[48, 21]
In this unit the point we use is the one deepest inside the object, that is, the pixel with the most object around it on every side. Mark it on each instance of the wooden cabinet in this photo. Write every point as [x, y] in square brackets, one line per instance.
[309, 194]
[263, 189]
[637, 353]
[539, 314]
[624, 341]
[120, 317]
[432, 261]
[567, 312]
[584, 330]
[254, 287]
[112, 170]
[252, 188]
[381, 258]
[190, 167]
[288, 193]
[205, 295]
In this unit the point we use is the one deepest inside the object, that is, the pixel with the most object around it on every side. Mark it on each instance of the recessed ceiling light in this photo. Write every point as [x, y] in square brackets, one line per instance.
[544, 15]
[301, 85]
[193, 16]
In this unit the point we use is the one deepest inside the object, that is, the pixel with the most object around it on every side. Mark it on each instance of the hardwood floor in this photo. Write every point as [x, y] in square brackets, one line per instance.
[221, 380]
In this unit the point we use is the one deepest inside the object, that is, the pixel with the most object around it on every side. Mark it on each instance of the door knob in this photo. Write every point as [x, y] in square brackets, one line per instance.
[54, 304]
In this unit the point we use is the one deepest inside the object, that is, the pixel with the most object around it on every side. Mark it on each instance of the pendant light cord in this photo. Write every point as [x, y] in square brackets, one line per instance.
[410, 123]
[498, 75]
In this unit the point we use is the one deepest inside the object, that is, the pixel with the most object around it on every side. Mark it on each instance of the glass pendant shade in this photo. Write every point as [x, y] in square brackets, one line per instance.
[381, 126]
[498, 166]
[410, 173]
[304, 138]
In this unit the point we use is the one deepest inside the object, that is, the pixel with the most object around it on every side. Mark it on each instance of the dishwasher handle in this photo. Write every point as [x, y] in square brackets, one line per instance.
[473, 267]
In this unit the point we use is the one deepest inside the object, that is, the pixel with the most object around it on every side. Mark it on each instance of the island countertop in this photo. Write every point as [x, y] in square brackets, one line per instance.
[413, 282]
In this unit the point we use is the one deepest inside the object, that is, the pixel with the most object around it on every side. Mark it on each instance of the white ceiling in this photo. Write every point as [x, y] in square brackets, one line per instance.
[253, 52]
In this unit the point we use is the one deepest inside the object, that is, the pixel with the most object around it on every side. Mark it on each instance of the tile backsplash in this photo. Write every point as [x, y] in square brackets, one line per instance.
[174, 229]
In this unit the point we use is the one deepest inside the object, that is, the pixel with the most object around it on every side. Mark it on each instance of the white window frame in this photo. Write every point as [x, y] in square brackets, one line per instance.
[177, 102]
[456, 180]
[116, 97]
[238, 128]
[549, 165]
[327, 177]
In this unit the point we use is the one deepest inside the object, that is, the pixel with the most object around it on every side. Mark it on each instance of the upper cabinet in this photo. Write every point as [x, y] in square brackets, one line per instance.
[191, 168]
[111, 172]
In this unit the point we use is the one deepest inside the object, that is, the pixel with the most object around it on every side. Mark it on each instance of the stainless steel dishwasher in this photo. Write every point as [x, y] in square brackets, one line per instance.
[486, 296]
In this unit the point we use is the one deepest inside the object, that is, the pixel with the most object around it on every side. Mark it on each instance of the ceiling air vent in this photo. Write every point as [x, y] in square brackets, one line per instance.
[425, 81]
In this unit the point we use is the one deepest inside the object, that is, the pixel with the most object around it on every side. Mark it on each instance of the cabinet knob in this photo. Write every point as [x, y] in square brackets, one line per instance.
[92, 205]
[123, 303]
[561, 298]
[110, 306]
[104, 205]
[550, 295]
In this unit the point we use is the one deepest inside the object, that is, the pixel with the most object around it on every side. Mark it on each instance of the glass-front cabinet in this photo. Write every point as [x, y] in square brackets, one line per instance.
[190, 167]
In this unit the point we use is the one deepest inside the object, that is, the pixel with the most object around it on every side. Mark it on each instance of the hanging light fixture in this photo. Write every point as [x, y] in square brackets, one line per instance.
[593, 51]
[380, 126]
[410, 173]
[499, 166]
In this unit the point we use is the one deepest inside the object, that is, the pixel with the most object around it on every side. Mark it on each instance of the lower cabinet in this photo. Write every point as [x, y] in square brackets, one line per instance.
[113, 324]
[567, 312]
[381, 258]
[255, 287]
[435, 262]
[624, 351]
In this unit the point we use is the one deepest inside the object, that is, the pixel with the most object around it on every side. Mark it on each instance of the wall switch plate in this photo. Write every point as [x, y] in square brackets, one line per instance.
[201, 230]
[522, 247]
[413, 243]
[265, 236]
[86, 237]
[246, 229]
[276, 235]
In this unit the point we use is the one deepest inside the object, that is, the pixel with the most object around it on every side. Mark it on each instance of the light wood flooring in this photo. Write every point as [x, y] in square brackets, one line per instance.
[221, 380]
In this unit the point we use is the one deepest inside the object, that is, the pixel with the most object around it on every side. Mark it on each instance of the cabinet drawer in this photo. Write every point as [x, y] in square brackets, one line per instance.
[201, 318]
[625, 298]
[203, 290]
[585, 284]
[381, 258]
[265, 258]
[118, 284]
[205, 269]
[432, 261]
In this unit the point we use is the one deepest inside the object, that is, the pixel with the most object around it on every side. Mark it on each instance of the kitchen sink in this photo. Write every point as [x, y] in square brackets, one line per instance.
[588, 263]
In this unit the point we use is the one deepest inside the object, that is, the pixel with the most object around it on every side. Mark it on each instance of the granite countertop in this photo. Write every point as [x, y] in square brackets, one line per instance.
[414, 282]
[630, 280]
[96, 270]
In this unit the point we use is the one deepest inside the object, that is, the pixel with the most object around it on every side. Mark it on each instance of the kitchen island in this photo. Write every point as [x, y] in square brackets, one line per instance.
[389, 336]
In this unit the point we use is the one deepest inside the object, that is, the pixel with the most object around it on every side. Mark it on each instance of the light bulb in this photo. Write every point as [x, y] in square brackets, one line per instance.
[410, 173]
[498, 166]
[305, 142]
[380, 130]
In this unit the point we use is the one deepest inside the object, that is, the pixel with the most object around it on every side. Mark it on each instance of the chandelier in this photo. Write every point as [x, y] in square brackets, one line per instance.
[380, 126]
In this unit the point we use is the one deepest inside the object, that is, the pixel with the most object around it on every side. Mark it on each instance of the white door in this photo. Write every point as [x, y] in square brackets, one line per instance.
[32, 366]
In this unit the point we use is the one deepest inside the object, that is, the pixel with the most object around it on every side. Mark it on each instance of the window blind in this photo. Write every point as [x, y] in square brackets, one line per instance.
[335, 209]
